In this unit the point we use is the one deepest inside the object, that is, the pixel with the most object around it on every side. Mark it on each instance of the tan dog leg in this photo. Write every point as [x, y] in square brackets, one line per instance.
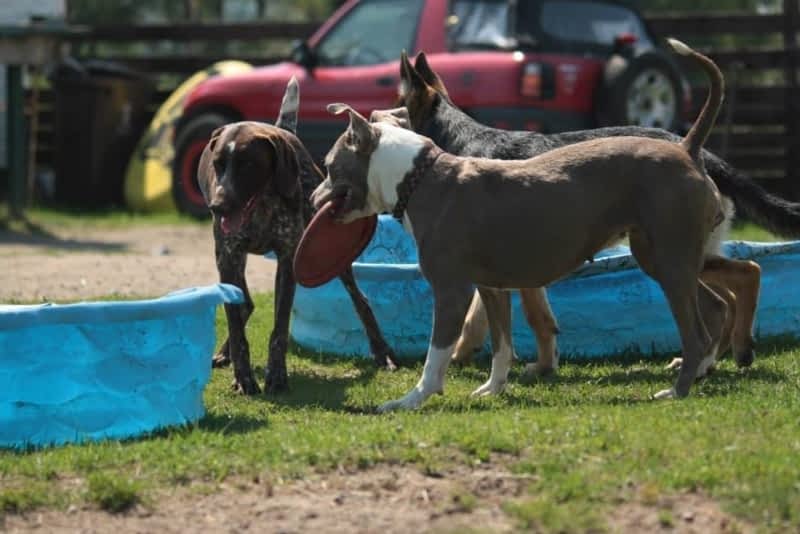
[543, 323]
[711, 307]
[473, 334]
[498, 308]
[743, 279]
[685, 294]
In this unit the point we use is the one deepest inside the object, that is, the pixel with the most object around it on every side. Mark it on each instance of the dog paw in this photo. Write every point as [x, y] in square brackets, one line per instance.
[411, 401]
[220, 359]
[461, 358]
[490, 388]
[276, 381]
[537, 369]
[745, 358]
[385, 359]
[675, 364]
[666, 394]
[706, 367]
[245, 386]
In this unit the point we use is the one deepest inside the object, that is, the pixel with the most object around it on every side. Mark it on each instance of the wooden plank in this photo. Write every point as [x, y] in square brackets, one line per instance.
[198, 32]
[749, 58]
[746, 95]
[791, 24]
[758, 162]
[751, 141]
[181, 64]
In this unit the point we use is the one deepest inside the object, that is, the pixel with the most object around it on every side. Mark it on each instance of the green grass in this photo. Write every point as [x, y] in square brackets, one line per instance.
[587, 439]
[750, 232]
[113, 493]
[37, 219]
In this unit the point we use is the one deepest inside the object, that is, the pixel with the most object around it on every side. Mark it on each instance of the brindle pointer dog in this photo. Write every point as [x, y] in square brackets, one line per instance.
[257, 179]
[433, 114]
[515, 224]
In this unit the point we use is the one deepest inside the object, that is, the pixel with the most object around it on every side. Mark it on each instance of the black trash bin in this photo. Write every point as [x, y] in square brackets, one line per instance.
[100, 113]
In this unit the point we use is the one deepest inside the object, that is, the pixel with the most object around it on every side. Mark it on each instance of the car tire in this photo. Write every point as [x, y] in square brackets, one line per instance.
[190, 141]
[643, 90]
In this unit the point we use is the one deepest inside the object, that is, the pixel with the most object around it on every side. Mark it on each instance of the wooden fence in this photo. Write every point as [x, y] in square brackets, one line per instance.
[757, 130]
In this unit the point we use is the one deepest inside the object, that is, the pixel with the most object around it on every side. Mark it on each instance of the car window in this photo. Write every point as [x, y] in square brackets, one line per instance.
[374, 31]
[589, 22]
[479, 24]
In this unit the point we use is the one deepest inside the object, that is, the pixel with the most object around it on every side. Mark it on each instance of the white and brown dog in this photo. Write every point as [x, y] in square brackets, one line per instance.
[516, 224]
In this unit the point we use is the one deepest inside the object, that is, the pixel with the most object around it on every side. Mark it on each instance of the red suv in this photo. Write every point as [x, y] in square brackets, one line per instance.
[546, 65]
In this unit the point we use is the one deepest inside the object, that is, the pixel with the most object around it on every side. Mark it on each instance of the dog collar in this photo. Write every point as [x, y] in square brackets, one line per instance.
[422, 164]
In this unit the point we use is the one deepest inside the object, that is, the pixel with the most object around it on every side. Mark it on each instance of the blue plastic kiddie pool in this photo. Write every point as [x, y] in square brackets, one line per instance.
[605, 307]
[97, 370]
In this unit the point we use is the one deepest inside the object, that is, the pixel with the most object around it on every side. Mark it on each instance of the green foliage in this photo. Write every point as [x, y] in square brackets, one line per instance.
[113, 493]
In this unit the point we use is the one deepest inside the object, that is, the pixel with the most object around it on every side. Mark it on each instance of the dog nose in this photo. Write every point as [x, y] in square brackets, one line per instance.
[215, 207]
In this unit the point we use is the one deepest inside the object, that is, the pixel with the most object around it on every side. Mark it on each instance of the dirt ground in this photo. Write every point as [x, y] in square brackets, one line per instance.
[69, 264]
[382, 500]
[142, 261]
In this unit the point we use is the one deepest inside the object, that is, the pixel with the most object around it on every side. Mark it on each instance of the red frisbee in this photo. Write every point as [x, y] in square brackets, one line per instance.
[327, 248]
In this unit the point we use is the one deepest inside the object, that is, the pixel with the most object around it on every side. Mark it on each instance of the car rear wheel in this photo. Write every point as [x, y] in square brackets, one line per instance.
[190, 141]
[643, 91]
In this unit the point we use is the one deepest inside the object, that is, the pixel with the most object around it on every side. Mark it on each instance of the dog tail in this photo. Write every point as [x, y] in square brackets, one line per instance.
[778, 215]
[694, 140]
[287, 116]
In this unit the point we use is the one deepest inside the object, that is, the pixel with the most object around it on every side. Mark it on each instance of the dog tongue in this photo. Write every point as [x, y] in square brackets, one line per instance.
[231, 223]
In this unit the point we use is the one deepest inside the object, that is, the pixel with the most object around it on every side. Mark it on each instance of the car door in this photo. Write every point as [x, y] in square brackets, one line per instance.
[356, 62]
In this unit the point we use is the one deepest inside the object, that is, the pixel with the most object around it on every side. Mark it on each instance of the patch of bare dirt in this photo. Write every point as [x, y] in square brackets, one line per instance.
[141, 261]
[384, 500]
[686, 513]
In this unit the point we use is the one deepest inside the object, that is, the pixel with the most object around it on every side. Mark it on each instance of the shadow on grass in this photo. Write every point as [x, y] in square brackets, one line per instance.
[318, 388]
[23, 231]
[230, 424]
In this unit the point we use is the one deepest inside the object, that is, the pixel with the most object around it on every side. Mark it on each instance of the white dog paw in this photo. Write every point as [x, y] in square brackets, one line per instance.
[675, 363]
[411, 401]
[489, 388]
[666, 394]
[706, 367]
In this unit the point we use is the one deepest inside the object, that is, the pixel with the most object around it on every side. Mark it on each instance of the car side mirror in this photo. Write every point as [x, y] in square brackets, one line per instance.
[303, 55]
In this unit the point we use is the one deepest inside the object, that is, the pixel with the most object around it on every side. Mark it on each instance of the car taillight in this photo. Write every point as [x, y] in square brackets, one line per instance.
[625, 39]
[538, 81]
[531, 84]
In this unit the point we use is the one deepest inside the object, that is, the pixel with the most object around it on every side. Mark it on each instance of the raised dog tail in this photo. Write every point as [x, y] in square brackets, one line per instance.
[696, 138]
[287, 116]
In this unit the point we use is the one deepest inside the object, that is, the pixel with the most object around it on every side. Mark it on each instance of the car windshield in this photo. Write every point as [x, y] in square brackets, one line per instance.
[480, 23]
[373, 32]
[552, 23]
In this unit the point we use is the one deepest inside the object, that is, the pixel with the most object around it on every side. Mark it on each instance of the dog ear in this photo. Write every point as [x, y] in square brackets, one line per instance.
[397, 116]
[285, 167]
[359, 132]
[287, 116]
[410, 80]
[215, 135]
[426, 72]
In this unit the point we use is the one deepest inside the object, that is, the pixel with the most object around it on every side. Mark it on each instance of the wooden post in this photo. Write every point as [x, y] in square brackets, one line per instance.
[791, 18]
[17, 142]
